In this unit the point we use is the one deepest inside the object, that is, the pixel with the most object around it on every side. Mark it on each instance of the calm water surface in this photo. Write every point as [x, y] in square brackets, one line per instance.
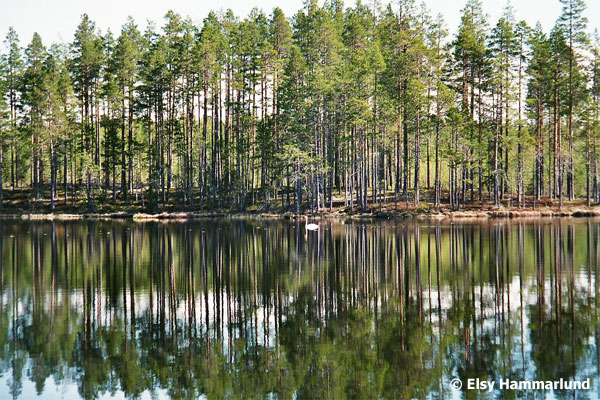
[262, 309]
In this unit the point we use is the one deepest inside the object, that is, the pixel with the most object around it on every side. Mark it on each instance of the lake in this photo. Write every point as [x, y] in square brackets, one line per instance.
[255, 308]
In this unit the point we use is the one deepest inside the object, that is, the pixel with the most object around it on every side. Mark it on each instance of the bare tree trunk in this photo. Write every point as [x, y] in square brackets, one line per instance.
[52, 174]
[124, 186]
[130, 139]
[417, 158]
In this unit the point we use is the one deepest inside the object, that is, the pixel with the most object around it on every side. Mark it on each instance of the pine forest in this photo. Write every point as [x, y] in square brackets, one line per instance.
[357, 107]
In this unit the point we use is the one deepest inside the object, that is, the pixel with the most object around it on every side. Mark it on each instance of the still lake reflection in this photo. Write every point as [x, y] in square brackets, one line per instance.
[262, 309]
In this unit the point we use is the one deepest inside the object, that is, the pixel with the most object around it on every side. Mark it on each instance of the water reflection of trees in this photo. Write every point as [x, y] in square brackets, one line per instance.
[256, 309]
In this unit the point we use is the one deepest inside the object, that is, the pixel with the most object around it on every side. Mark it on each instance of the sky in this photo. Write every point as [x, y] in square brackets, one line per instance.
[56, 20]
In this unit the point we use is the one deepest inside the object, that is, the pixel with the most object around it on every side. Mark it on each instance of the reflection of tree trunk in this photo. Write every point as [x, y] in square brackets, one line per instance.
[87, 316]
[417, 240]
[481, 247]
[153, 252]
[172, 296]
[506, 299]
[204, 270]
[557, 277]
[540, 275]
[496, 266]
[521, 289]
[66, 251]
[429, 272]
[570, 242]
[192, 280]
[162, 308]
[437, 269]
[131, 284]
[124, 273]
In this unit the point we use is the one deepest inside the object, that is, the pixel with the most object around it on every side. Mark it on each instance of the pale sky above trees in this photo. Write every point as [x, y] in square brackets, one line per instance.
[56, 20]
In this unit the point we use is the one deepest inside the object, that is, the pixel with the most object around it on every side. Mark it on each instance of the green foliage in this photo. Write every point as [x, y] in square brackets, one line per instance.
[234, 111]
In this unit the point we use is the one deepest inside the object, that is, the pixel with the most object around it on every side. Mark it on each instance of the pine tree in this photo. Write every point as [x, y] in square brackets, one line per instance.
[127, 55]
[87, 61]
[573, 24]
[442, 97]
[280, 39]
[521, 33]
[559, 66]
[33, 100]
[110, 121]
[4, 121]
[58, 113]
[538, 98]
[13, 73]
[594, 187]
[504, 46]
[470, 61]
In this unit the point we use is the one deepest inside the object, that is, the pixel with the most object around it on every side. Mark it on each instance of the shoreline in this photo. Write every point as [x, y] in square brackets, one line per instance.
[407, 214]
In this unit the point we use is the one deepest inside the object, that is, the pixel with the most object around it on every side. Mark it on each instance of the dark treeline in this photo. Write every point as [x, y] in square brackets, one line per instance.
[253, 309]
[361, 105]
